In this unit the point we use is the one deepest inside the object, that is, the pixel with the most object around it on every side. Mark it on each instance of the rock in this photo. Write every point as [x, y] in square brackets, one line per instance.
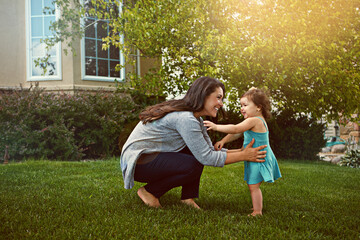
[326, 159]
[355, 133]
[338, 148]
[336, 160]
[326, 149]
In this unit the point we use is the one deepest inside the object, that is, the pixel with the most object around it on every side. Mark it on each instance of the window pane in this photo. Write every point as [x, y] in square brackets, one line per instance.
[90, 50]
[50, 66]
[47, 24]
[52, 51]
[90, 29]
[103, 68]
[114, 73]
[114, 52]
[101, 29]
[38, 49]
[49, 4]
[101, 53]
[36, 71]
[36, 27]
[90, 66]
[36, 7]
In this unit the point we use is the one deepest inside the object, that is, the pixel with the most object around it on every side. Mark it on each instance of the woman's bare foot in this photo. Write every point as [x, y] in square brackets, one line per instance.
[191, 203]
[148, 198]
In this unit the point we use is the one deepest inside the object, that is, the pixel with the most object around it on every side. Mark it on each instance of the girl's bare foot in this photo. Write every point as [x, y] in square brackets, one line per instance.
[255, 213]
[148, 198]
[191, 203]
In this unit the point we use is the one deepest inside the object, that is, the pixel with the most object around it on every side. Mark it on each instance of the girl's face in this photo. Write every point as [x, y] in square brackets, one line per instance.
[248, 108]
[213, 103]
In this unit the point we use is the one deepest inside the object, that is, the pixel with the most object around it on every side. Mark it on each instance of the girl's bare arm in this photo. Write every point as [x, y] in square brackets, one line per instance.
[245, 125]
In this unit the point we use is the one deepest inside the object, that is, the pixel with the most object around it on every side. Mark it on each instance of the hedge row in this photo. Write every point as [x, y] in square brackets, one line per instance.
[90, 125]
[84, 125]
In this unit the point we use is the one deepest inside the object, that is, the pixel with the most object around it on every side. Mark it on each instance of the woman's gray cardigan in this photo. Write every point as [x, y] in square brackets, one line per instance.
[169, 134]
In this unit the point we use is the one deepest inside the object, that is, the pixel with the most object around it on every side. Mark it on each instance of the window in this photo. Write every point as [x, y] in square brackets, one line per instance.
[37, 28]
[99, 64]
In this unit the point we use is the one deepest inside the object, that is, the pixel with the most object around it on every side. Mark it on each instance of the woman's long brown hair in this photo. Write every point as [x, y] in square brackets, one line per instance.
[193, 101]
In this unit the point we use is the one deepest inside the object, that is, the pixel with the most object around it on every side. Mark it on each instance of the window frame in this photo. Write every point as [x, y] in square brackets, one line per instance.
[101, 78]
[29, 53]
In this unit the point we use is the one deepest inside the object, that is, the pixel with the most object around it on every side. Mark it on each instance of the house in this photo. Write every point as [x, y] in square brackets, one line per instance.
[24, 24]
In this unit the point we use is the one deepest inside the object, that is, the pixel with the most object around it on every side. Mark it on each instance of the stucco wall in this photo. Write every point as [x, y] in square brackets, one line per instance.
[12, 43]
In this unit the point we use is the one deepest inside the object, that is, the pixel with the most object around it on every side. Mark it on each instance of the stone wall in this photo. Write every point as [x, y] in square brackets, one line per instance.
[350, 131]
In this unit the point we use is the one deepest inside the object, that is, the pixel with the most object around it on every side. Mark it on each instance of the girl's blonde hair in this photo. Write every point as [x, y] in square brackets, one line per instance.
[260, 99]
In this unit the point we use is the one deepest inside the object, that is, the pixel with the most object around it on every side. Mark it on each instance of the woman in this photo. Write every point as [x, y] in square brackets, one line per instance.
[170, 145]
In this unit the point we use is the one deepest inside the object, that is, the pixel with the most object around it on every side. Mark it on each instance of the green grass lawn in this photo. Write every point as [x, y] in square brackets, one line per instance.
[86, 200]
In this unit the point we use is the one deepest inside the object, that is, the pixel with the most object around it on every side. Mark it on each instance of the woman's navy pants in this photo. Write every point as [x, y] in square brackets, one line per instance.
[169, 170]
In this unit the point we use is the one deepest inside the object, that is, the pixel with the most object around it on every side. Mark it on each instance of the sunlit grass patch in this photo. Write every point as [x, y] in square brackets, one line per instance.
[86, 200]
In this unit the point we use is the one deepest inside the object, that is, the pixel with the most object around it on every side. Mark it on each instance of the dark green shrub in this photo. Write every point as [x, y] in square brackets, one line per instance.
[37, 124]
[140, 97]
[295, 137]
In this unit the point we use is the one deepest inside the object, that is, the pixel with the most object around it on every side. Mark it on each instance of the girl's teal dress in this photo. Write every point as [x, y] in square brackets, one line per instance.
[267, 171]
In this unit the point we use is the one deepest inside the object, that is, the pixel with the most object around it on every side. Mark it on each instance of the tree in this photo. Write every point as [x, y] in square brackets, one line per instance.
[305, 53]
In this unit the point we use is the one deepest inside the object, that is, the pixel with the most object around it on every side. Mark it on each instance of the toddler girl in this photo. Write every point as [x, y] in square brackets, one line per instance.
[255, 107]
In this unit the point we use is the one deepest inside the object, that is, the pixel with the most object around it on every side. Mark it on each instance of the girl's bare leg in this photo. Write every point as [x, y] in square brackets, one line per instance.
[191, 203]
[257, 199]
[148, 198]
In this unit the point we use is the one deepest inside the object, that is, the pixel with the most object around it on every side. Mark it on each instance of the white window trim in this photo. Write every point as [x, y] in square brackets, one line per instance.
[28, 48]
[99, 78]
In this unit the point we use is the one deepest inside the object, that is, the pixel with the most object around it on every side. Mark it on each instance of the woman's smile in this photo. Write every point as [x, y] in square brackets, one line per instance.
[212, 104]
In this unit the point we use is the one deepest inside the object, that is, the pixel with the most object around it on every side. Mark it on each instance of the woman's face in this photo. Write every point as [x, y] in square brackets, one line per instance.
[212, 104]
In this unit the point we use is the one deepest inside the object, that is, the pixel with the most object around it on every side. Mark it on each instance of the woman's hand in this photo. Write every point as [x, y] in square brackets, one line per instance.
[254, 154]
[249, 154]
[210, 125]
